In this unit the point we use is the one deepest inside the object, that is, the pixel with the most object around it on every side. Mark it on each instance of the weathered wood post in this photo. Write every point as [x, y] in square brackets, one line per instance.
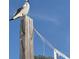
[26, 50]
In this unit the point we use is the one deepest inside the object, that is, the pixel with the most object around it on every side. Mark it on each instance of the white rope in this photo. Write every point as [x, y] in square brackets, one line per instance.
[50, 46]
[44, 40]
[60, 54]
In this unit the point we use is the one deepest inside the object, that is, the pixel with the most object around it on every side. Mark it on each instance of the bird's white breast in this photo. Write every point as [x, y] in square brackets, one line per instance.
[26, 8]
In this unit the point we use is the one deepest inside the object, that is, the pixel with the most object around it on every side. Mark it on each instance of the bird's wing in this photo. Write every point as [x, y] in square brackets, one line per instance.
[18, 11]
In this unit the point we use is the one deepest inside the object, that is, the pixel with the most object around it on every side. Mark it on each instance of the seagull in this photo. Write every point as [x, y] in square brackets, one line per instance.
[22, 11]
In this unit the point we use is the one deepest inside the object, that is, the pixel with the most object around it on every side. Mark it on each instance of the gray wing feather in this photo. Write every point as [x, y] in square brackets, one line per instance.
[18, 10]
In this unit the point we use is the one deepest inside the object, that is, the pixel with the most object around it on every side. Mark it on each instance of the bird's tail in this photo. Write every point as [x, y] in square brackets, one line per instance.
[11, 19]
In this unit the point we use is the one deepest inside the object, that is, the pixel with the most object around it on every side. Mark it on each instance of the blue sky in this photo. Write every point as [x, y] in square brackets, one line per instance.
[51, 18]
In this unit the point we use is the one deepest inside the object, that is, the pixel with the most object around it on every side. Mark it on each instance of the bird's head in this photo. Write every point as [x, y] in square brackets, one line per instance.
[26, 3]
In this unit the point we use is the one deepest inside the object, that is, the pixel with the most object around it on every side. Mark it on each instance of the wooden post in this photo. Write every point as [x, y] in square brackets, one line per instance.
[26, 50]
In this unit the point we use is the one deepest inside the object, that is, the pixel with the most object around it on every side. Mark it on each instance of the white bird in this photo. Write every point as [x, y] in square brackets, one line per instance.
[22, 11]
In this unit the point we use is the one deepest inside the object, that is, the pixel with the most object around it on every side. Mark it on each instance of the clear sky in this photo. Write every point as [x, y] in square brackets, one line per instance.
[51, 18]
